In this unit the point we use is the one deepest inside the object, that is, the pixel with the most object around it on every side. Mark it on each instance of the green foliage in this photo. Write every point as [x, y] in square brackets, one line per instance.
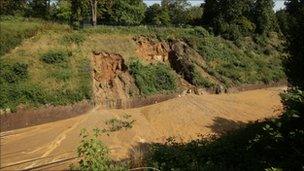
[156, 15]
[265, 17]
[152, 79]
[13, 73]
[247, 64]
[177, 10]
[62, 11]
[62, 74]
[283, 19]
[54, 57]
[125, 12]
[39, 8]
[200, 81]
[194, 15]
[14, 31]
[94, 154]
[294, 65]
[13, 7]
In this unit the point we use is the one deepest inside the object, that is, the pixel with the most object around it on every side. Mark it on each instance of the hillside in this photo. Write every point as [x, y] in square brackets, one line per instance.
[59, 66]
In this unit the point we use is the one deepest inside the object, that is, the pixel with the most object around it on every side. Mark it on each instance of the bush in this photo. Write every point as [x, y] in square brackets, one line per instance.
[13, 73]
[152, 79]
[53, 57]
[94, 154]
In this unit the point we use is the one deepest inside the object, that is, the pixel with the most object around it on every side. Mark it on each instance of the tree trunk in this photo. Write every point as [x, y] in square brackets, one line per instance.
[94, 12]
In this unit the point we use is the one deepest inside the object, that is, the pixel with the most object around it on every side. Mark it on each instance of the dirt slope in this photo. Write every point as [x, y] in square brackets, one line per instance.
[183, 118]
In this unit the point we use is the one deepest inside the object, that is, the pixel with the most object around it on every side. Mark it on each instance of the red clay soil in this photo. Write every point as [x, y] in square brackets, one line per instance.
[183, 117]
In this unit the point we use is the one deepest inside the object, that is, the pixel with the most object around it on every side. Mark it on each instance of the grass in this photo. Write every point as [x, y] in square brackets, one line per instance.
[14, 31]
[55, 61]
[244, 61]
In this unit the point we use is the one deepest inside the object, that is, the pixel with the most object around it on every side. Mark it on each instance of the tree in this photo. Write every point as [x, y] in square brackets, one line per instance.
[94, 11]
[177, 10]
[126, 12]
[40, 8]
[62, 11]
[13, 7]
[282, 18]
[193, 15]
[294, 65]
[156, 15]
[265, 16]
[79, 10]
[230, 18]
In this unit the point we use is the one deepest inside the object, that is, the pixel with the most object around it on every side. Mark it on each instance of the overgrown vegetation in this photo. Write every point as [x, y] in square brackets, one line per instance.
[151, 79]
[39, 73]
[14, 30]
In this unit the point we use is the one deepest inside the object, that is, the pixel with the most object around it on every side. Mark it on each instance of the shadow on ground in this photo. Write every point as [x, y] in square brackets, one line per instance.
[222, 126]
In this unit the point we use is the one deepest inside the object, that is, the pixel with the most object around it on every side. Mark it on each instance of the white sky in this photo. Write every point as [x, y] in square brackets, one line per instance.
[278, 3]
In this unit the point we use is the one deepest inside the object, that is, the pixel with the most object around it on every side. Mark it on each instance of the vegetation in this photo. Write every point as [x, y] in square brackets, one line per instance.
[117, 124]
[274, 144]
[38, 72]
[94, 154]
[14, 30]
[152, 79]
[53, 57]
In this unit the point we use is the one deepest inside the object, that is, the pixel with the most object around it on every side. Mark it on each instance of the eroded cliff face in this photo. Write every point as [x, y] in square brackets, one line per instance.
[111, 79]
[151, 50]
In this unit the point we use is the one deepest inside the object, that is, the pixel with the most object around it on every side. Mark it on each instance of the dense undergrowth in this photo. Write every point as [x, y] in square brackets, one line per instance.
[14, 30]
[152, 79]
[46, 69]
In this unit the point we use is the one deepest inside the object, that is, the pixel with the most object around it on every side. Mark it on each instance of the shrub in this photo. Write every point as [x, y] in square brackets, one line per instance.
[151, 79]
[53, 57]
[94, 154]
[13, 73]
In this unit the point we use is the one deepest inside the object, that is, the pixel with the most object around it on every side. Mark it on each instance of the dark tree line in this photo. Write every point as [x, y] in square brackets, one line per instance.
[230, 18]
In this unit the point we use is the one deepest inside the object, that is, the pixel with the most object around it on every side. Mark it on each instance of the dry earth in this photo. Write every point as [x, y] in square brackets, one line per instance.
[183, 118]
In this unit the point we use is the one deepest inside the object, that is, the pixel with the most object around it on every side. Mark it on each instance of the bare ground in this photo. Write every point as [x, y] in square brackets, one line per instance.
[183, 118]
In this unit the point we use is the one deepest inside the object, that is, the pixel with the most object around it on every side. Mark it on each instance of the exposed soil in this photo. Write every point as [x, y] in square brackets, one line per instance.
[151, 50]
[183, 118]
[111, 79]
